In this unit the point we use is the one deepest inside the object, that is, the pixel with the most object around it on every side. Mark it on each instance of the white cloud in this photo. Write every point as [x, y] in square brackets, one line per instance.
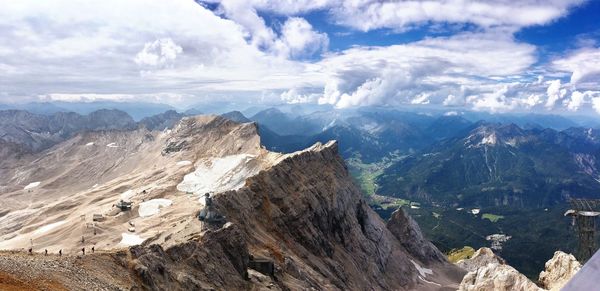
[101, 47]
[554, 93]
[160, 52]
[298, 39]
[92, 97]
[531, 101]
[371, 14]
[496, 101]
[596, 104]
[453, 100]
[179, 51]
[422, 99]
[584, 65]
[576, 100]
[438, 67]
[367, 15]
[293, 96]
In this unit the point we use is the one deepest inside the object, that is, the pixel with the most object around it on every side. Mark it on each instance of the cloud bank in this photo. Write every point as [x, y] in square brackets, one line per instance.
[182, 52]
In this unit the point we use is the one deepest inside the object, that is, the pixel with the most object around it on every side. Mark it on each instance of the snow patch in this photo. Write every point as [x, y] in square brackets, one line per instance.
[131, 239]
[48, 227]
[330, 125]
[32, 185]
[184, 163]
[89, 144]
[489, 140]
[112, 145]
[219, 174]
[152, 207]
[422, 271]
[127, 195]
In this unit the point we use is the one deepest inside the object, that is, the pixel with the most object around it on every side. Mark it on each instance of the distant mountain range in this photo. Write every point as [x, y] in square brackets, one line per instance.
[35, 132]
[30, 132]
[137, 110]
[500, 165]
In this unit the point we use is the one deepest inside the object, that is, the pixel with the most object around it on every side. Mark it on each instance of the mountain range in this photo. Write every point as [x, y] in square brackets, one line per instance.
[500, 165]
[434, 163]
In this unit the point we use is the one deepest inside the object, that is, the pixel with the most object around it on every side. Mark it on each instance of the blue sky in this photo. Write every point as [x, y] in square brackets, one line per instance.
[496, 56]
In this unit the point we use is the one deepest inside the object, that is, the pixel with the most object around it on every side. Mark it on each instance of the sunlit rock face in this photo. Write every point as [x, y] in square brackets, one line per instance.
[558, 271]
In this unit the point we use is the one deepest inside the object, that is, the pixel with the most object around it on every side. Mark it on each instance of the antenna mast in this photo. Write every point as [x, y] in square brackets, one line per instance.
[584, 213]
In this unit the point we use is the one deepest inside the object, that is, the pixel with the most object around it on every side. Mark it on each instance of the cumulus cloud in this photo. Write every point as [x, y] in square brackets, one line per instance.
[99, 47]
[578, 99]
[532, 100]
[438, 67]
[496, 101]
[596, 104]
[295, 96]
[160, 52]
[298, 39]
[422, 99]
[584, 65]
[555, 93]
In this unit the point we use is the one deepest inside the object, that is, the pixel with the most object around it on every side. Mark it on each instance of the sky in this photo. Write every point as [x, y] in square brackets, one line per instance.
[495, 56]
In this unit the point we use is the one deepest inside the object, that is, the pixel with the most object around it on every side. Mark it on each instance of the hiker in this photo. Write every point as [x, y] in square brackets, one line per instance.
[93, 249]
[46, 252]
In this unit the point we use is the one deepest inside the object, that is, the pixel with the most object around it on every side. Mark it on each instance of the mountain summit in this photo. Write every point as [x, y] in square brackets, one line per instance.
[299, 213]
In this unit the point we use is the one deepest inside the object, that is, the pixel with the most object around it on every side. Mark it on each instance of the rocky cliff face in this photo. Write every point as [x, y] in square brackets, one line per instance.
[300, 213]
[306, 214]
[408, 233]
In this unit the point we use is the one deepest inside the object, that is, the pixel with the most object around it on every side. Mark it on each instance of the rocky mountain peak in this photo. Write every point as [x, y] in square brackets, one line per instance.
[491, 135]
[300, 214]
[558, 271]
[236, 116]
